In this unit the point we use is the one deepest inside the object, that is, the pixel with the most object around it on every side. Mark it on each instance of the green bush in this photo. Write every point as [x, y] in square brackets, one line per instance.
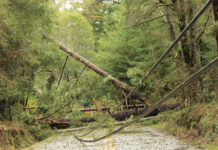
[40, 134]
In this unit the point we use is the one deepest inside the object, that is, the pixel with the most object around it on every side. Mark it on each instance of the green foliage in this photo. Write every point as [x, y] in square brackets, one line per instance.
[21, 23]
[50, 81]
[40, 134]
[121, 38]
[73, 30]
[151, 122]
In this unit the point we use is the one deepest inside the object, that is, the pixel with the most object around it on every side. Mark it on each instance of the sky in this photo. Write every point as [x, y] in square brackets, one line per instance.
[67, 4]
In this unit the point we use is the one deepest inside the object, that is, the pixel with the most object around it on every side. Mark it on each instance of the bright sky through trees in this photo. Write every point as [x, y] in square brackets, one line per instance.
[67, 4]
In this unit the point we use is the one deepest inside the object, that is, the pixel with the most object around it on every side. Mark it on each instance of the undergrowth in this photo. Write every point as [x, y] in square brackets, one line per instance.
[197, 124]
[14, 136]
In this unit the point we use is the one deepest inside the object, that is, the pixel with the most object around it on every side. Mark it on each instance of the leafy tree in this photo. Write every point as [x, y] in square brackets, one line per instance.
[21, 23]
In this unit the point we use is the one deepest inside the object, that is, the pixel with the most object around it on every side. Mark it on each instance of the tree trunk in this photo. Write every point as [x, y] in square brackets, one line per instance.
[195, 51]
[181, 13]
[169, 23]
[9, 110]
[195, 55]
[91, 127]
[98, 70]
[59, 81]
[190, 49]
[123, 115]
[215, 13]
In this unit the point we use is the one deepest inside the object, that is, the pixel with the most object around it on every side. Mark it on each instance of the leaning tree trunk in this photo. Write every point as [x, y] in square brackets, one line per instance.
[98, 70]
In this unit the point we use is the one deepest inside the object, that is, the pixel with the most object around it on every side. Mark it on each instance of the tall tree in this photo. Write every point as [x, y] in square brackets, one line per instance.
[21, 22]
[215, 13]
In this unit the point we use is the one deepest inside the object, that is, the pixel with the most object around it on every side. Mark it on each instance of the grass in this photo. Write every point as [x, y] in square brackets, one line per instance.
[14, 136]
[197, 124]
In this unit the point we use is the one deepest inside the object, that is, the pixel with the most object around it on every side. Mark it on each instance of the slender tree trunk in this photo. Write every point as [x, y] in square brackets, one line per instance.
[184, 55]
[181, 13]
[190, 50]
[195, 51]
[9, 110]
[59, 81]
[195, 55]
[98, 70]
[215, 13]
[169, 23]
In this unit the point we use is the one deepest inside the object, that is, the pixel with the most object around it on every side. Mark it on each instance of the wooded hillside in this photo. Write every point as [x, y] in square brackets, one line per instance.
[58, 57]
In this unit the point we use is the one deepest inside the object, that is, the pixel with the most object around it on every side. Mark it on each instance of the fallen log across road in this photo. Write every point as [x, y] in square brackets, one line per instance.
[90, 127]
[123, 115]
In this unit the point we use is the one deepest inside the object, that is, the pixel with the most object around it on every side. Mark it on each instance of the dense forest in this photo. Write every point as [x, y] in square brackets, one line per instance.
[58, 57]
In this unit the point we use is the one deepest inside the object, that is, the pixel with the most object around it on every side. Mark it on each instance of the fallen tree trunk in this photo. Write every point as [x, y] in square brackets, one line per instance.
[123, 115]
[87, 120]
[93, 109]
[98, 70]
[90, 127]
[60, 123]
[132, 106]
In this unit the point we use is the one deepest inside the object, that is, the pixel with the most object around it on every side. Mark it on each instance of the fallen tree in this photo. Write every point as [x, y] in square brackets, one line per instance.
[117, 124]
[133, 106]
[92, 109]
[60, 123]
[99, 71]
[123, 115]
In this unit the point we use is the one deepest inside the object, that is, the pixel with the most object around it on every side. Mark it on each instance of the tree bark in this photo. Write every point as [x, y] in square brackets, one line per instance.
[195, 51]
[59, 81]
[195, 56]
[93, 109]
[181, 13]
[123, 115]
[189, 45]
[169, 23]
[215, 13]
[98, 70]
[116, 123]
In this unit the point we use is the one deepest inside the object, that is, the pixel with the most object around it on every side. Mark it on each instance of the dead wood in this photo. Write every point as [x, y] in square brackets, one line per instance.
[91, 127]
[123, 115]
[98, 70]
[87, 120]
[60, 123]
[92, 109]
